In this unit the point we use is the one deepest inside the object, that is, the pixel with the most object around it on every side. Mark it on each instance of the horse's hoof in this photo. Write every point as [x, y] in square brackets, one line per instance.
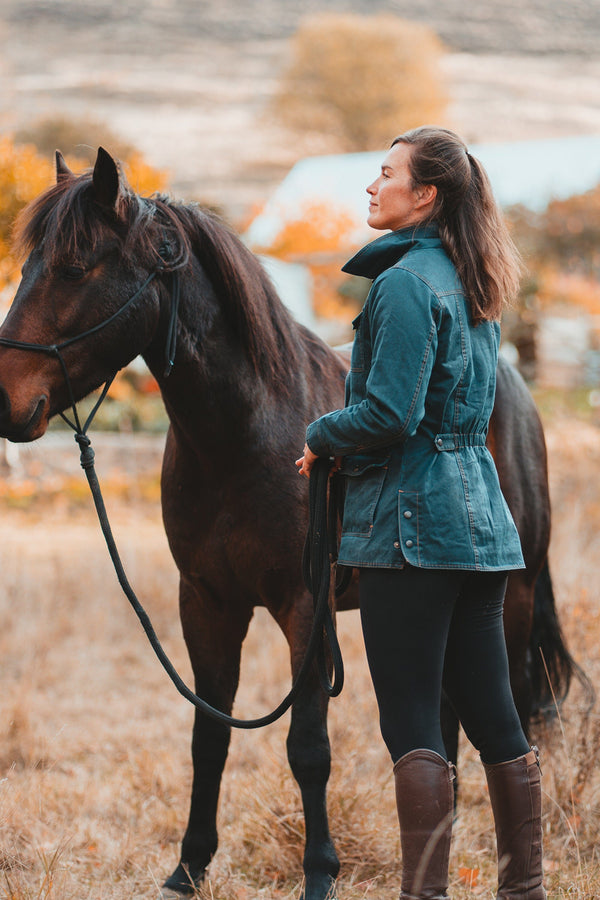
[181, 884]
[319, 887]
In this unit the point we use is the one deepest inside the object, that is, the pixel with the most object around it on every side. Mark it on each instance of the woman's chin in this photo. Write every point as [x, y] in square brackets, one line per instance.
[373, 222]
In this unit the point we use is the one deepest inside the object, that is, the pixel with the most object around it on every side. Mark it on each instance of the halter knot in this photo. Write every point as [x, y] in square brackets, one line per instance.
[87, 454]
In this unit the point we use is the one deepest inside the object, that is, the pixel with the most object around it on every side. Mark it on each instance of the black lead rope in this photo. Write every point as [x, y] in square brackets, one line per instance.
[322, 627]
[316, 558]
[319, 561]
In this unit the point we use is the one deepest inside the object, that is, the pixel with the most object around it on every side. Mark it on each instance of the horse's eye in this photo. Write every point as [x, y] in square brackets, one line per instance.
[73, 273]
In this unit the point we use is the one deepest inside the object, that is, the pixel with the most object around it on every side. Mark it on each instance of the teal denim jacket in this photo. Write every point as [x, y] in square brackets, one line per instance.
[421, 485]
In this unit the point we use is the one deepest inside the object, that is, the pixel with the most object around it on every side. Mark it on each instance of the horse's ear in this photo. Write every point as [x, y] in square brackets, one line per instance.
[106, 180]
[62, 169]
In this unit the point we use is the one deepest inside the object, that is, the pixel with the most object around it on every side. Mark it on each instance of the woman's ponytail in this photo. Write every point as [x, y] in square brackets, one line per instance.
[472, 228]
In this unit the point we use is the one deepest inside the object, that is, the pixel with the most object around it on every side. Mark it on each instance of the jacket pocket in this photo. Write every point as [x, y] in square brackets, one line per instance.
[365, 478]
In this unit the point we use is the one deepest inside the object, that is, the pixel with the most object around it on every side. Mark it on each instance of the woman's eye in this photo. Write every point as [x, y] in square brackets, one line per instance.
[73, 273]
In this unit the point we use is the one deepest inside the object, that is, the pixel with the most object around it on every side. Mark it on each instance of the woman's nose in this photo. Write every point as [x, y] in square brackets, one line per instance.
[372, 188]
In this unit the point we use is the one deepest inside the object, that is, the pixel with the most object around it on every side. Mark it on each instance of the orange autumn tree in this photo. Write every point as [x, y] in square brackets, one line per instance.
[25, 173]
[559, 288]
[361, 80]
[561, 246]
[569, 234]
[561, 249]
[321, 239]
[570, 252]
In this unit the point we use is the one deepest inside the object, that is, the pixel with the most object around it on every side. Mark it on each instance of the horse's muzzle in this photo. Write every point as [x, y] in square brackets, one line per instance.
[26, 428]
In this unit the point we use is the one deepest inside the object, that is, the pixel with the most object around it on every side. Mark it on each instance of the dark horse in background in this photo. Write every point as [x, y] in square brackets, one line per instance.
[246, 381]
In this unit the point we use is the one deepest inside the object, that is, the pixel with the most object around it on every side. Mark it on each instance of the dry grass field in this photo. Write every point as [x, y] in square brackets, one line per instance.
[94, 741]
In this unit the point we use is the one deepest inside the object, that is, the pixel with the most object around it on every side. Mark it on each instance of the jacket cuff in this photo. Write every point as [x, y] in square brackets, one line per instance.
[314, 440]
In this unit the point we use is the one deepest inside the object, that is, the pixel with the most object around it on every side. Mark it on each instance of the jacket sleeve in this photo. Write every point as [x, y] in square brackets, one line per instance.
[404, 316]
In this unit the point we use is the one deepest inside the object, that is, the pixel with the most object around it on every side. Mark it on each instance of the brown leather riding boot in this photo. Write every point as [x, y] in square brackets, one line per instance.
[516, 797]
[425, 801]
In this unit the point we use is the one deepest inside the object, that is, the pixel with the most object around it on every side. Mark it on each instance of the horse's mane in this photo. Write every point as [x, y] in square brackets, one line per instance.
[67, 222]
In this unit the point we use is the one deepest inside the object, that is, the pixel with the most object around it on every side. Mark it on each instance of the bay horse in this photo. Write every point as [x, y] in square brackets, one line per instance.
[246, 380]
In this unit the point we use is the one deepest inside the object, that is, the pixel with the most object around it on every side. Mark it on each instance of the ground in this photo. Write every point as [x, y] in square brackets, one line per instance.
[94, 740]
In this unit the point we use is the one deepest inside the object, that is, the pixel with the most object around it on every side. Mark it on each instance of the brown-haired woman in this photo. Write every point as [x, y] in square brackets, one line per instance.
[425, 522]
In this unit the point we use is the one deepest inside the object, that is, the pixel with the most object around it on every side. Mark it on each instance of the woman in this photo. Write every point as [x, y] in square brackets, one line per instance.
[425, 521]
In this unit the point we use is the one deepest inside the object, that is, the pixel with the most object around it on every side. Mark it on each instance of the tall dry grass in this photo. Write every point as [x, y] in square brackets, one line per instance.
[94, 741]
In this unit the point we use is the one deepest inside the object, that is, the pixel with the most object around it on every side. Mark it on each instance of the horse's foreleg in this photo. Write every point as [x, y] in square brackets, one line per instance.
[210, 744]
[310, 760]
[214, 638]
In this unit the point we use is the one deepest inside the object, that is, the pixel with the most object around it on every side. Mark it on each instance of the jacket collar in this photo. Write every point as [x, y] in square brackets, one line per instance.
[385, 251]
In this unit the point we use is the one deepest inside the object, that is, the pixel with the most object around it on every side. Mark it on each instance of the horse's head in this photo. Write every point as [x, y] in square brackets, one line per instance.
[90, 244]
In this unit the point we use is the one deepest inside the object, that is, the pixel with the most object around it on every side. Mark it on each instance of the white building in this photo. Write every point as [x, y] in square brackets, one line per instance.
[530, 173]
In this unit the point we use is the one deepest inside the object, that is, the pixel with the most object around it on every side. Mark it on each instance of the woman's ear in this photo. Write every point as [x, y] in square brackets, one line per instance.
[426, 195]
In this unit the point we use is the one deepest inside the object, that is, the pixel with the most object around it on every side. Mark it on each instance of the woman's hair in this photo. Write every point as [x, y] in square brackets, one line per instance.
[472, 228]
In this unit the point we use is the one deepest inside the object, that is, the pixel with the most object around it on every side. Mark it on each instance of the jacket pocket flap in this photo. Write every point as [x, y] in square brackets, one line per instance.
[356, 465]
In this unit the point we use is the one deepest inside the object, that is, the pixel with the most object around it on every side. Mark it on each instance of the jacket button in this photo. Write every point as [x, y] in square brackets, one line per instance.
[397, 545]
[439, 442]
[407, 514]
[409, 543]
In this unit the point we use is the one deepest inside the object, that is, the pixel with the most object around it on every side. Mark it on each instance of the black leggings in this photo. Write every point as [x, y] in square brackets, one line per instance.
[424, 627]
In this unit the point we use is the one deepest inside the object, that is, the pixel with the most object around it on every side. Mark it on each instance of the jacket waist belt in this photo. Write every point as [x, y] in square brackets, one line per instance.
[456, 441]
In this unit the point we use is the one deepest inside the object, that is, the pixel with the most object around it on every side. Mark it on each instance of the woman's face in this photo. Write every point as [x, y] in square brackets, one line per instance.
[393, 203]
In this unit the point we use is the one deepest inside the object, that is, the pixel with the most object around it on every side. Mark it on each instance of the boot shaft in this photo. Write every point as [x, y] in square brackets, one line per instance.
[516, 797]
[425, 802]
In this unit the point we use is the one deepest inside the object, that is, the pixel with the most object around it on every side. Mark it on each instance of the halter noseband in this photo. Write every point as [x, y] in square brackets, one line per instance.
[55, 349]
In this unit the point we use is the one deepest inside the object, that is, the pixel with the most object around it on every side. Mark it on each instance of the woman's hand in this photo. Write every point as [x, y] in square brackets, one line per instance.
[307, 461]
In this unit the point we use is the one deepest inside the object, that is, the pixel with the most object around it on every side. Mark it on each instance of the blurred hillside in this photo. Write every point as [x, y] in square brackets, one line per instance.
[188, 82]
[531, 26]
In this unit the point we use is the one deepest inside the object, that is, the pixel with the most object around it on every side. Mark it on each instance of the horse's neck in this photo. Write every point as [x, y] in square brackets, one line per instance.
[212, 395]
